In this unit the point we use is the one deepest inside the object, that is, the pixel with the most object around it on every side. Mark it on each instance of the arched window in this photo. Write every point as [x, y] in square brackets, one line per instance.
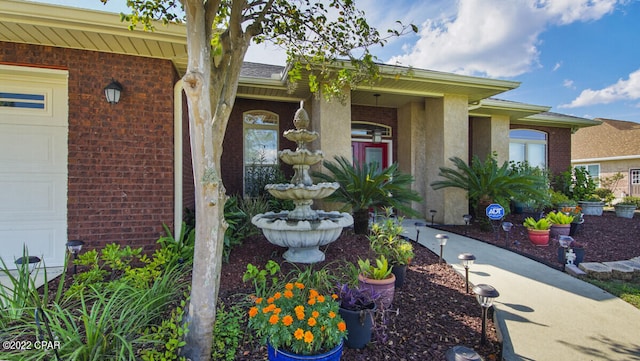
[528, 145]
[260, 150]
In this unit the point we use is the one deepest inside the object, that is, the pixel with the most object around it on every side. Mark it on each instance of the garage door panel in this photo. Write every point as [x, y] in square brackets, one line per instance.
[43, 239]
[33, 149]
[41, 196]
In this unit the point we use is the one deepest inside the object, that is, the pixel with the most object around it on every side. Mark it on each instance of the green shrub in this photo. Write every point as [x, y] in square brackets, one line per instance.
[577, 183]
[631, 200]
[227, 332]
[606, 195]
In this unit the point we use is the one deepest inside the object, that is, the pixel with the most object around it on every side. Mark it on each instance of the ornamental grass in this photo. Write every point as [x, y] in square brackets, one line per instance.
[298, 319]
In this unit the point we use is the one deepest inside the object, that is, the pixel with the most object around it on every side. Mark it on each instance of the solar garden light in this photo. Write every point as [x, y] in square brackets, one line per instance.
[30, 261]
[418, 225]
[506, 226]
[467, 220]
[433, 214]
[466, 259]
[485, 294]
[74, 247]
[442, 239]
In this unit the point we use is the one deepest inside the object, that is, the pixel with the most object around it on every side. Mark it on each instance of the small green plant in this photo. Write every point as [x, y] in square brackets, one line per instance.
[541, 224]
[577, 183]
[168, 337]
[559, 199]
[259, 277]
[559, 218]
[630, 200]
[380, 271]
[117, 258]
[386, 239]
[227, 332]
[181, 248]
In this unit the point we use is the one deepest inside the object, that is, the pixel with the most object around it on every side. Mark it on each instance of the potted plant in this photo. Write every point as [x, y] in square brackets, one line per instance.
[366, 186]
[298, 321]
[627, 207]
[387, 240]
[560, 223]
[538, 231]
[357, 306]
[378, 278]
[578, 218]
[487, 182]
[592, 206]
[577, 248]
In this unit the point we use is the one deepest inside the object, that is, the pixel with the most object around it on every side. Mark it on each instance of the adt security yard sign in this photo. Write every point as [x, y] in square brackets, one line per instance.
[495, 212]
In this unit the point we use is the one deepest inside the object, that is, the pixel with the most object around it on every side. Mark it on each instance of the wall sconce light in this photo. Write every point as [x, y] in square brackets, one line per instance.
[377, 136]
[113, 91]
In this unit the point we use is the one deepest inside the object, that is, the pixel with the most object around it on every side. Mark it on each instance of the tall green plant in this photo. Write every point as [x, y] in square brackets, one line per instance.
[364, 186]
[488, 182]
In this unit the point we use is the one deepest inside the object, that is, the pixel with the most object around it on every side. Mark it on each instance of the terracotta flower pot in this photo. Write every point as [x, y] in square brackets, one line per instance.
[385, 288]
[539, 237]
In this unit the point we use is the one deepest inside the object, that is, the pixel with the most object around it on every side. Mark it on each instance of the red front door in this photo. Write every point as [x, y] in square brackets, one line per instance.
[366, 152]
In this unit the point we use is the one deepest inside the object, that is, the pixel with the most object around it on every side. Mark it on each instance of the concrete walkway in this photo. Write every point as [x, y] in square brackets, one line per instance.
[544, 314]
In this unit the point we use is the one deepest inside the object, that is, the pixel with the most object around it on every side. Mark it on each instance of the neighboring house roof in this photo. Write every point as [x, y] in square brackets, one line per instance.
[613, 139]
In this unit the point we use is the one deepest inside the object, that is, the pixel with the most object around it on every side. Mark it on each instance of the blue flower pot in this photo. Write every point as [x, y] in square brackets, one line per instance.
[282, 355]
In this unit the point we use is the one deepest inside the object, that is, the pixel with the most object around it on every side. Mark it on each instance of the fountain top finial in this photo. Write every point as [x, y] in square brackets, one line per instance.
[301, 118]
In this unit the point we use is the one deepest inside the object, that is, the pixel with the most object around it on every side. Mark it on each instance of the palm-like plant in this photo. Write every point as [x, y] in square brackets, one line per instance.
[486, 182]
[364, 186]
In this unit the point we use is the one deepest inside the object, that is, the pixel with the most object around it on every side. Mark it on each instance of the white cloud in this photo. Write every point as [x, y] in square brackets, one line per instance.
[624, 89]
[568, 83]
[495, 38]
[557, 66]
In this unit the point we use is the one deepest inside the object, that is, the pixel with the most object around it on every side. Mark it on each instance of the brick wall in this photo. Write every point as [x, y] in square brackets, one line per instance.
[120, 186]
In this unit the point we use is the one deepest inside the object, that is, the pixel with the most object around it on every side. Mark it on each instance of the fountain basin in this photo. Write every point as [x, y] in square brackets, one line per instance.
[302, 192]
[302, 237]
[302, 157]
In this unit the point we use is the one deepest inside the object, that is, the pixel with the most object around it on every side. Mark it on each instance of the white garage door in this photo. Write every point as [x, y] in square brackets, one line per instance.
[33, 163]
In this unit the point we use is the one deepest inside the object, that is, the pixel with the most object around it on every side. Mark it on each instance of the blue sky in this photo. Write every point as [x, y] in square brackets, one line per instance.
[581, 57]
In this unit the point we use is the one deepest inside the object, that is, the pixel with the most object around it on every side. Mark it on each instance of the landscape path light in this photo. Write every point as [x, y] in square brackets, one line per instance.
[467, 220]
[433, 214]
[30, 261]
[418, 225]
[74, 247]
[485, 294]
[506, 226]
[442, 240]
[467, 260]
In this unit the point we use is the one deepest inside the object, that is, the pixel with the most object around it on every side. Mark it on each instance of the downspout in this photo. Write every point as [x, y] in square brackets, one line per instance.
[177, 159]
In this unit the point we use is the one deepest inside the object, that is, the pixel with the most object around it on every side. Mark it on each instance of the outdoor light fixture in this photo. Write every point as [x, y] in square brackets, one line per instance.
[485, 294]
[31, 262]
[442, 239]
[433, 213]
[74, 247]
[112, 92]
[418, 224]
[377, 136]
[466, 259]
[506, 226]
[467, 220]
[461, 353]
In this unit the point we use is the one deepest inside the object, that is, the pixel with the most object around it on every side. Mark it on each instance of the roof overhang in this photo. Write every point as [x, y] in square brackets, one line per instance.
[513, 110]
[68, 27]
[549, 119]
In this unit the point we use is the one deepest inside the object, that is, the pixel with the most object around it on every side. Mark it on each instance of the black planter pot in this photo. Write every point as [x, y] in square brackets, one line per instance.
[575, 227]
[400, 271]
[361, 222]
[359, 325]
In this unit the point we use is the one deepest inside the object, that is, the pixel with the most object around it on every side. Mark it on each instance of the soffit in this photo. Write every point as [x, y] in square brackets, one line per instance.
[68, 27]
[550, 119]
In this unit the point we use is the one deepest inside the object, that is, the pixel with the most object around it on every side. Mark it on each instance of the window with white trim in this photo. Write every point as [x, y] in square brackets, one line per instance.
[260, 129]
[593, 170]
[22, 100]
[635, 176]
[528, 145]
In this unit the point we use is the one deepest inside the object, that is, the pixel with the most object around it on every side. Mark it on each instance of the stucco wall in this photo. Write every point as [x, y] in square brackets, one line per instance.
[120, 186]
[611, 167]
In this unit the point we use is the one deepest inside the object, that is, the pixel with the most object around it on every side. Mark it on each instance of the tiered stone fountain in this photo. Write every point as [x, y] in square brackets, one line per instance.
[302, 230]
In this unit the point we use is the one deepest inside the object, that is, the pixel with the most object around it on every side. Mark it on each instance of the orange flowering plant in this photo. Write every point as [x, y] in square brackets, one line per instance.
[298, 320]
